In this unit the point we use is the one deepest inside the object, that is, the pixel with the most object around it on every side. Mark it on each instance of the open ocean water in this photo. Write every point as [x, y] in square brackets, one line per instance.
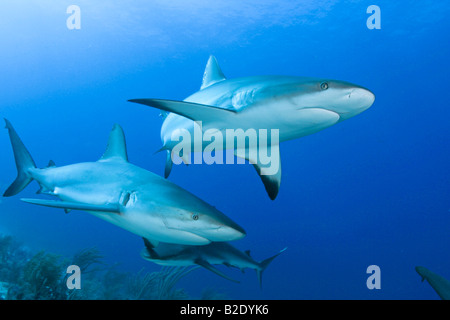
[372, 190]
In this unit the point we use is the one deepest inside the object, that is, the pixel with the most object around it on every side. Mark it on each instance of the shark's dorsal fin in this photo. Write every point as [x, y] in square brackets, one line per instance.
[51, 164]
[212, 73]
[205, 264]
[116, 148]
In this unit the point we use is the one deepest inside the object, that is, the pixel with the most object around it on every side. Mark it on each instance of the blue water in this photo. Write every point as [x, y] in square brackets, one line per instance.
[372, 190]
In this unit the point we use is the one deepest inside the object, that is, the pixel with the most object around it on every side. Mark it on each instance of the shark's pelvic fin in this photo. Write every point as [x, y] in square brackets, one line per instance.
[24, 162]
[116, 148]
[169, 164]
[44, 190]
[66, 205]
[210, 267]
[193, 111]
[212, 74]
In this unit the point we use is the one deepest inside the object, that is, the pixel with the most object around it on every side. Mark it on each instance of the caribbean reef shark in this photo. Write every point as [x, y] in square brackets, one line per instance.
[295, 106]
[205, 256]
[437, 282]
[125, 195]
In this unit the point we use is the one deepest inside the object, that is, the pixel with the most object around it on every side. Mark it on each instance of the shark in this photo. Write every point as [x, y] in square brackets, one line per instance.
[123, 194]
[214, 253]
[295, 106]
[437, 282]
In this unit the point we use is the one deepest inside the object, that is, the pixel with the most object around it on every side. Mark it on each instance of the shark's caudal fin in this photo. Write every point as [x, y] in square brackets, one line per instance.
[24, 162]
[263, 265]
[117, 147]
[212, 74]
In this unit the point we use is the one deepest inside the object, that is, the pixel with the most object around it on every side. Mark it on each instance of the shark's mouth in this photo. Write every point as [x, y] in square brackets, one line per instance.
[317, 116]
[187, 238]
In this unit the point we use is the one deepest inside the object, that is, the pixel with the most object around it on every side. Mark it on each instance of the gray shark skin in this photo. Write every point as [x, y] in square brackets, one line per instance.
[206, 256]
[125, 195]
[437, 282]
[296, 106]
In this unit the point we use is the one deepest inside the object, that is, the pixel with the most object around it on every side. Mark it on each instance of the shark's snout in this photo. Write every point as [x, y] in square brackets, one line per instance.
[223, 231]
[358, 99]
[228, 232]
[365, 96]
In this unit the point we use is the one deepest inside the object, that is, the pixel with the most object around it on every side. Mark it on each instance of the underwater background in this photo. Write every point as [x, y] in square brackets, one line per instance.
[373, 190]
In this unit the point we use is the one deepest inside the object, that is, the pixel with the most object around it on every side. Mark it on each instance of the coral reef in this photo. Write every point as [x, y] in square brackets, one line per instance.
[43, 276]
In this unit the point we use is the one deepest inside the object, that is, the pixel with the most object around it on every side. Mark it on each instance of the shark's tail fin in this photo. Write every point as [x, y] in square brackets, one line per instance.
[264, 264]
[24, 162]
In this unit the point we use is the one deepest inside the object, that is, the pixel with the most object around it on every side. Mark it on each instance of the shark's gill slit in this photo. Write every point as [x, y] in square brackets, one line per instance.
[126, 198]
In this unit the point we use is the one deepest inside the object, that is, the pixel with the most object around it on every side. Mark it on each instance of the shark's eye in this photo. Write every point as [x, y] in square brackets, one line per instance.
[195, 216]
[324, 86]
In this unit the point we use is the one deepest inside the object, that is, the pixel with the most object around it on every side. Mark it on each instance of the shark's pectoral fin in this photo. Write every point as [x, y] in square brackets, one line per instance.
[149, 249]
[193, 111]
[150, 243]
[267, 167]
[210, 267]
[111, 208]
[271, 182]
